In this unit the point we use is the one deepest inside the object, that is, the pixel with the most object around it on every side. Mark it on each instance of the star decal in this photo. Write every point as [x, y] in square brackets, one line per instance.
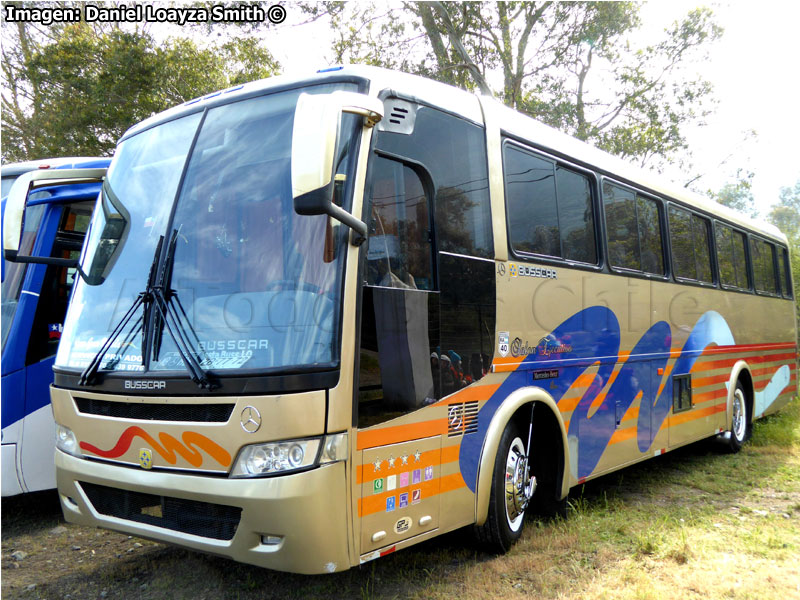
[377, 464]
[392, 459]
[417, 456]
[404, 459]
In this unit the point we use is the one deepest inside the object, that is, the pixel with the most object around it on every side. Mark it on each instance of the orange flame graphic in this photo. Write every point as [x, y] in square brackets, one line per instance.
[193, 442]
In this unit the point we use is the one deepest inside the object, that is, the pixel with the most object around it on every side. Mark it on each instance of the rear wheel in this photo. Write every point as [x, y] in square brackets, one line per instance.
[512, 488]
[740, 422]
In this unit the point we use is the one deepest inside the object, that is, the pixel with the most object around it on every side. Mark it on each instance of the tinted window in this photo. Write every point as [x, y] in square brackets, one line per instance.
[634, 230]
[531, 203]
[691, 254]
[724, 244]
[763, 266]
[549, 208]
[702, 251]
[399, 251]
[740, 260]
[783, 271]
[575, 216]
[454, 153]
[731, 257]
[623, 239]
[680, 236]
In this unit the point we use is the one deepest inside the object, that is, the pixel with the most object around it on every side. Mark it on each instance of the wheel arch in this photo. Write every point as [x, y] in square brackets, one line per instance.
[740, 372]
[514, 407]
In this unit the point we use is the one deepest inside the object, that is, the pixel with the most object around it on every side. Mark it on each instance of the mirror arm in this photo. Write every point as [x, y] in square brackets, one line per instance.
[357, 225]
[11, 256]
[309, 204]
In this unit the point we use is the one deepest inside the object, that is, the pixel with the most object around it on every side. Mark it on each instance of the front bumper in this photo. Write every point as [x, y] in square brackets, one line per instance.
[293, 523]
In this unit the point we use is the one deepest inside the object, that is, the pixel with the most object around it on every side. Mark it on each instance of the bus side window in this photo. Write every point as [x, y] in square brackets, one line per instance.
[634, 231]
[783, 272]
[724, 242]
[763, 266]
[691, 255]
[549, 207]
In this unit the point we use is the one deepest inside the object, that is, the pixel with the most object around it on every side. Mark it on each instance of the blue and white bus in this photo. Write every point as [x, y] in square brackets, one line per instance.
[34, 302]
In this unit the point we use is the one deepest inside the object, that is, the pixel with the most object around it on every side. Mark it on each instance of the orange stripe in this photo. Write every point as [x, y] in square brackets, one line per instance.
[585, 379]
[693, 414]
[632, 413]
[368, 505]
[767, 370]
[714, 379]
[429, 457]
[372, 438]
[448, 454]
[472, 393]
[566, 405]
[729, 362]
[620, 435]
[667, 372]
[708, 396]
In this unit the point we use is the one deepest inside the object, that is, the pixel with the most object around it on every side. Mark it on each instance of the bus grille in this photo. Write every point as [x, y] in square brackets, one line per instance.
[462, 419]
[204, 413]
[207, 520]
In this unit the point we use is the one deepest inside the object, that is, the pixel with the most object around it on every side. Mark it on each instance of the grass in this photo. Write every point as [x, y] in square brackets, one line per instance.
[694, 523]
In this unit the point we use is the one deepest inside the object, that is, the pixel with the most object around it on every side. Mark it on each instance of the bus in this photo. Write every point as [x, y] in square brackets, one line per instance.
[34, 303]
[323, 319]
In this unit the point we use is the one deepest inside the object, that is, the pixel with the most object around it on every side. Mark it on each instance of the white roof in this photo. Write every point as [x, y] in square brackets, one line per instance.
[468, 106]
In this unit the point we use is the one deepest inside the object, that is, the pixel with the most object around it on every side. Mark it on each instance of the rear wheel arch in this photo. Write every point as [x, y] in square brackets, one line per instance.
[740, 373]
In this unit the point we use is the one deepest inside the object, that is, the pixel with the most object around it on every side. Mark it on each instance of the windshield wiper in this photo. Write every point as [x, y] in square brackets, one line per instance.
[90, 372]
[169, 314]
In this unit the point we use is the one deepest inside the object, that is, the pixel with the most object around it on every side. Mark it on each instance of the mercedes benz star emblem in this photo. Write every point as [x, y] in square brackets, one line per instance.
[251, 419]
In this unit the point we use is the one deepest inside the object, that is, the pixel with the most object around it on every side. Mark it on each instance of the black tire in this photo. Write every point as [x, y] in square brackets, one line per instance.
[741, 427]
[504, 523]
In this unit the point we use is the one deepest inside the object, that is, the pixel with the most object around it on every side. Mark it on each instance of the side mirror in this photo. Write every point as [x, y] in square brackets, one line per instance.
[317, 120]
[14, 213]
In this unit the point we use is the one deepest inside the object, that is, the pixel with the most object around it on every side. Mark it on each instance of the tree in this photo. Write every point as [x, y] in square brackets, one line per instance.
[568, 64]
[785, 215]
[73, 89]
[738, 195]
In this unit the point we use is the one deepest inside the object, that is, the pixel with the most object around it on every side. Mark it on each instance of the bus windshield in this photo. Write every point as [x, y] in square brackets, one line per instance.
[257, 285]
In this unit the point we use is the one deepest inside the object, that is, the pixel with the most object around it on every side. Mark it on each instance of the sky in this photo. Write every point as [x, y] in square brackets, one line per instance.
[754, 70]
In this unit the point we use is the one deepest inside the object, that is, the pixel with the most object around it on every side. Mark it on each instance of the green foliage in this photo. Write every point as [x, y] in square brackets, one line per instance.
[785, 215]
[567, 64]
[738, 196]
[75, 89]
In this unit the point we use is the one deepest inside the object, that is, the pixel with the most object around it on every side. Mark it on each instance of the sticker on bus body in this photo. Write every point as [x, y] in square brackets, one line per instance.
[502, 343]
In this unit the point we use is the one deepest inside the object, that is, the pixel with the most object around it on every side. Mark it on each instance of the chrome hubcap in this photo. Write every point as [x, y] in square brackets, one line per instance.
[739, 420]
[519, 486]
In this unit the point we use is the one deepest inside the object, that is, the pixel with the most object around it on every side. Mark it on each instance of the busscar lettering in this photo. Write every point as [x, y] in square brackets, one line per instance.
[132, 384]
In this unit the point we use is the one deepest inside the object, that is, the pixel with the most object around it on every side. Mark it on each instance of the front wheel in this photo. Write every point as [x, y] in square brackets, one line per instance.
[740, 423]
[512, 488]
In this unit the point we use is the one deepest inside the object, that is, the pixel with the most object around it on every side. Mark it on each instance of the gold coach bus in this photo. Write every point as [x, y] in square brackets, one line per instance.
[323, 319]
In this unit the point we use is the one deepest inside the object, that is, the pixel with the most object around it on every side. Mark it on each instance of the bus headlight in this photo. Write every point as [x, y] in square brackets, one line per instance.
[276, 457]
[66, 440]
[291, 455]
